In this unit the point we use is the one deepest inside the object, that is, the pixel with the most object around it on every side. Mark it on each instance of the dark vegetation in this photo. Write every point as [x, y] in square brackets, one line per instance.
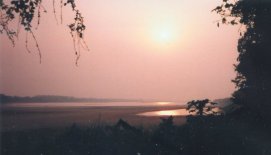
[28, 13]
[201, 107]
[253, 80]
[206, 135]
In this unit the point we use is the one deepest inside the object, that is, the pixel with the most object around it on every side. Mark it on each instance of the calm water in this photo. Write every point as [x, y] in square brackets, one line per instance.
[94, 104]
[19, 116]
[177, 112]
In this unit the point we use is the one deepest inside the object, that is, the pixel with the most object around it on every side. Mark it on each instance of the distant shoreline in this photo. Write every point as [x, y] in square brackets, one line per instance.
[54, 98]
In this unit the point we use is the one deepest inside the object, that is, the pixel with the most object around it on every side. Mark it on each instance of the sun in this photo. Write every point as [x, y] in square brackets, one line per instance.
[163, 34]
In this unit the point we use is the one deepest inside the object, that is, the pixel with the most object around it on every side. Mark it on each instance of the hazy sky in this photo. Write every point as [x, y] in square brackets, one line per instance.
[147, 49]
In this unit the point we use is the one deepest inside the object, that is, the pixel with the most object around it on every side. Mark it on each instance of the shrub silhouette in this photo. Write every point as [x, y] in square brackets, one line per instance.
[201, 107]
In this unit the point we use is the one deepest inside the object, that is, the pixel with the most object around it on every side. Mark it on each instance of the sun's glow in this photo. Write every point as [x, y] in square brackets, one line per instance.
[163, 34]
[166, 34]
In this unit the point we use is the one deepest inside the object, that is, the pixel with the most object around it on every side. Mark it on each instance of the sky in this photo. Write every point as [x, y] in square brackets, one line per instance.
[139, 49]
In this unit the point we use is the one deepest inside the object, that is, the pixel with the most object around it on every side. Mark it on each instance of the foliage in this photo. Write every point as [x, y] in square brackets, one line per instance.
[26, 11]
[201, 107]
[253, 80]
[218, 135]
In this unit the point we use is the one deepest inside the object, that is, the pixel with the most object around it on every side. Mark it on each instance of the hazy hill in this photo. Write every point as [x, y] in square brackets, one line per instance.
[227, 105]
[54, 98]
[223, 102]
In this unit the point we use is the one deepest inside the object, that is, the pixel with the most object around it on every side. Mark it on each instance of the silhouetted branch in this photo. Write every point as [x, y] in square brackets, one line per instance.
[27, 10]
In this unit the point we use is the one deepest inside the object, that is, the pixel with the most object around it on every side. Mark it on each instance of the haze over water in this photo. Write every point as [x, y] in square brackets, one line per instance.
[94, 104]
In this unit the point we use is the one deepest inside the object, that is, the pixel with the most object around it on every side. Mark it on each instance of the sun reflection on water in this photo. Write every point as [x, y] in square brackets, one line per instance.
[167, 113]
[177, 112]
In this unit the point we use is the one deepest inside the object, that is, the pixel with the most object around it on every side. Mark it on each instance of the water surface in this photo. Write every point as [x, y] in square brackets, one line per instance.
[92, 104]
[176, 112]
[20, 116]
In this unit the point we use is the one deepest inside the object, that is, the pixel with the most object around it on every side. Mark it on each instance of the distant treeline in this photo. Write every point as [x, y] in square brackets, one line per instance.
[54, 98]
